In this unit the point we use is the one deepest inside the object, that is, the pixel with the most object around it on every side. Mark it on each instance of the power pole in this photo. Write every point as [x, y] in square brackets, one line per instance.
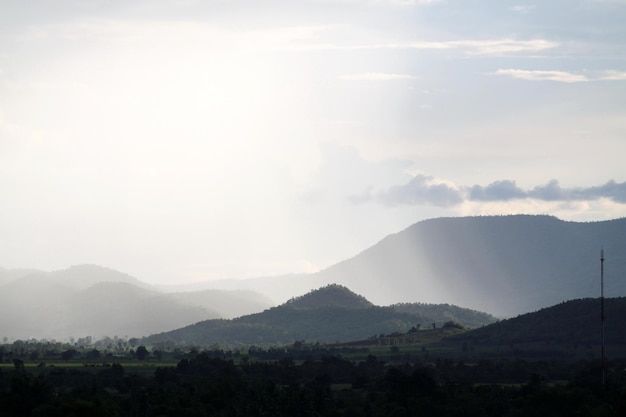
[602, 309]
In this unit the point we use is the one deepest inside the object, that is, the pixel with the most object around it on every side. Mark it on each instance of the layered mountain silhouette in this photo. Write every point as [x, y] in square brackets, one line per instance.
[326, 315]
[89, 300]
[505, 265]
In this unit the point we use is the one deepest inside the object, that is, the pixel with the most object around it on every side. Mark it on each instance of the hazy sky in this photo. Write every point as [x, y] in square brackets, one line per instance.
[187, 140]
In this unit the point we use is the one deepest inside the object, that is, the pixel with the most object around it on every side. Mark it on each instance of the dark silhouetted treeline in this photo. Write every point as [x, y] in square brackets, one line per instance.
[208, 384]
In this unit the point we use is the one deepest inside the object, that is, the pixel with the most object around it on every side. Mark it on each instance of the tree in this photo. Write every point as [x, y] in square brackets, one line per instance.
[69, 354]
[452, 325]
[18, 364]
[93, 354]
[142, 352]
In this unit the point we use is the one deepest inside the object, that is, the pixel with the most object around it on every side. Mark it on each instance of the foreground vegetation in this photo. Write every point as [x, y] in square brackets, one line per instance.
[215, 383]
[393, 375]
[543, 363]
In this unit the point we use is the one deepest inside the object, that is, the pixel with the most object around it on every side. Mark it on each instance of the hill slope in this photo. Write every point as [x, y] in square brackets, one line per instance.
[327, 315]
[575, 322]
[506, 265]
[332, 295]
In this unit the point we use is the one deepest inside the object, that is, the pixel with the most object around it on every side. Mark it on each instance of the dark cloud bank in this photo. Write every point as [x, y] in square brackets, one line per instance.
[423, 190]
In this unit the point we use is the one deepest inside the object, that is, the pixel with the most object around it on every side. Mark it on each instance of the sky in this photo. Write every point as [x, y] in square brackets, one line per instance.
[183, 141]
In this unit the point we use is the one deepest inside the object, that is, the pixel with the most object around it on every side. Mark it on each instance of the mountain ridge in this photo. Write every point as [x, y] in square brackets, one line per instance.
[506, 265]
[327, 315]
[90, 300]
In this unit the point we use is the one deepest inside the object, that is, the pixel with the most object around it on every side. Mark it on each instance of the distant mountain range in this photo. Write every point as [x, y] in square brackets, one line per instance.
[327, 315]
[505, 265]
[89, 300]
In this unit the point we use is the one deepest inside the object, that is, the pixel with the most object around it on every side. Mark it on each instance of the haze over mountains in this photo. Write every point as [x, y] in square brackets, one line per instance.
[503, 265]
[89, 300]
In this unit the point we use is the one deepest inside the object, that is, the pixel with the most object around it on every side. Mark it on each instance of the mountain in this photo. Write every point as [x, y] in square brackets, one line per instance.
[9, 275]
[505, 265]
[332, 295]
[89, 300]
[330, 314]
[574, 323]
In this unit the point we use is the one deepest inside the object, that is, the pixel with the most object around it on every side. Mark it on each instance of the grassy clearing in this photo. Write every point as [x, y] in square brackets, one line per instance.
[130, 367]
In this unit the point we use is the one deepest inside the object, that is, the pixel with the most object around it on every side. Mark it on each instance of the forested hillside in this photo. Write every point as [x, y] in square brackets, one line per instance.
[332, 295]
[574, 323]
[327, 315]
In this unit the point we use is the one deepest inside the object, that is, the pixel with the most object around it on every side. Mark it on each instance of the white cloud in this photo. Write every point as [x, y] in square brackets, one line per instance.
[504, 46]
[377, 76]
[612, 75]
[522, 9]
[560, 76]
[472, 46]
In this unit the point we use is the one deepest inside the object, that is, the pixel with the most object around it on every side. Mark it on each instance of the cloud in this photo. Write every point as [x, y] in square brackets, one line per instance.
[612, 75]
[496, 191]
[552, 191]
[504, 46]
[611, 190]
[426, 190]
[560, 76]
[522, 9]
[473, 46]
[420, 190]
[377, 76]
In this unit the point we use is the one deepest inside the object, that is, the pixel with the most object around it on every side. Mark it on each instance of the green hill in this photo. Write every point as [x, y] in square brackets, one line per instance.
[332, 295]
[328, 315]
[573, 324]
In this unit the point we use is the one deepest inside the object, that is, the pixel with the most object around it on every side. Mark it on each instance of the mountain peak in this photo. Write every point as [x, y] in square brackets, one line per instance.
[332, 295]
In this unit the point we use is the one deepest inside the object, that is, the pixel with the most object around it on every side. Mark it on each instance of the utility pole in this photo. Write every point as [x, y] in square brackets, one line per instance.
[602, 309]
